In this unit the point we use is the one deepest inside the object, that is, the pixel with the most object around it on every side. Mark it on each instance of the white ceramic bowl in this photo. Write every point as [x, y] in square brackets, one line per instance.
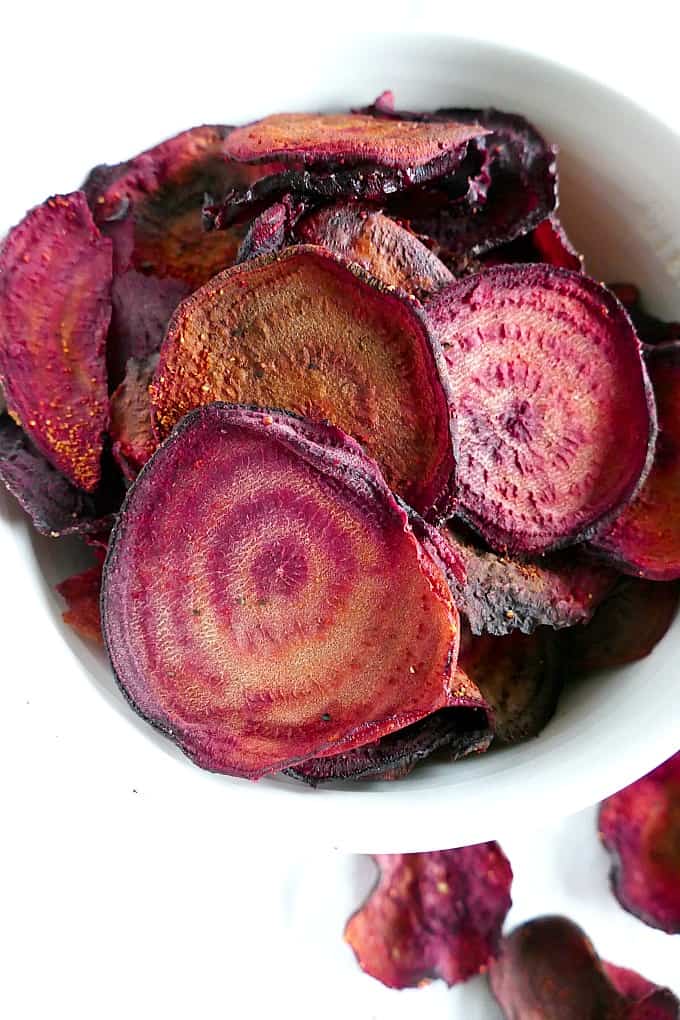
[64, 714]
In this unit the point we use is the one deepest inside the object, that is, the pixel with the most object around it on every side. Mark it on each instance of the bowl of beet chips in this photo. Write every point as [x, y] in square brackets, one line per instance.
[345, 438]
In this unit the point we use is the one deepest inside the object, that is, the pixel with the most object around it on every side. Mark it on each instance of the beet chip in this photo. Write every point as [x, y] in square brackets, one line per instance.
[81, 593]
[390, 253]
[304, 332]
[518, 676]
[635, 987]
[130, 427]
[55, 306]
[640, 827]
[549, 970]
[455, 732]
[265, 599]
[555, 415]
[645, 539]
[626, 626]
[547, 243]
[432, 915]
[55, 506]
[499, 594]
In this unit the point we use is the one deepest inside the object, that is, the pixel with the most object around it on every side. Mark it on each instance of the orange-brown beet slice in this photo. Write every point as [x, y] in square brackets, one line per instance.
[265, 599]
[130, 425]
[305, 332]
[81, 593]
[389, 252]
[499, 594]
[432, 915]
[555, 415]
[56, 507]
[645, 539]
[626, 627]
[55, 307]
[549, 970]
[640, 827]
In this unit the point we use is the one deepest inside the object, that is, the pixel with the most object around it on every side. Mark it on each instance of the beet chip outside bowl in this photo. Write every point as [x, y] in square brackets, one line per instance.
[620, 207]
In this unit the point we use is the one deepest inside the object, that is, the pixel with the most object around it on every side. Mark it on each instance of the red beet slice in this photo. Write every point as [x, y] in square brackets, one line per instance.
[56, 507]
[498, 594]
[304, 332]
[518, 676]
[549, 970]
[432, 915]
[265, 599]
[456, 732]
[640, 827]
[130, 426]
[389, 252]
[628, 982]
[645, 539]
[55, 306]
[547, 243]
[555, 415]
[81, 593]
[626, 626]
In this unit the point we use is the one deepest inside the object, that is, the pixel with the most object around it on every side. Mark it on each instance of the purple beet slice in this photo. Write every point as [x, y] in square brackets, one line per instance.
[548, 970]
[55, 307]
[81, 594]
[555, 415]
[130, 411]
[389, 252]
[305, 332]
[645, 539]
[518, 676]
[456, 731]
[56, 507]
[640, 827]
[265, 599]
[272, 230]
[499, 594]
[626, 626]
[432, 915]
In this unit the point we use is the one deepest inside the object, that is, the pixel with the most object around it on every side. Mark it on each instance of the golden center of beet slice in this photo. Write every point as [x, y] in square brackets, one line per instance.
[265, 598]
[303, 332]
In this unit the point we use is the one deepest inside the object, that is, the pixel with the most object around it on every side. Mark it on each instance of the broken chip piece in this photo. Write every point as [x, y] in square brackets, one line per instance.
[81, 594]
[640, 827]
[130, 426]
[548, 970]
[314, 618]
[432, 915]
[547, 243]
[555, 415]
[55, 307]
[305, 332]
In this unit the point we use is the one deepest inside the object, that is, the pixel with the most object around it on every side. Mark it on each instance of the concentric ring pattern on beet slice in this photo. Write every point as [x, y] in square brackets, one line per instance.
[640, 827]
[265, 599]
[55, 307]
[432, 915]
[56, 507]
[389, 252]
[307, 333]
[645, 539]
[130, 425]
[549, 969]
[555, 416]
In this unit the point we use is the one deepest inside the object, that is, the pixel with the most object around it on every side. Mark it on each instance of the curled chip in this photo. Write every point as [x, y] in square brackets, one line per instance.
[555, 415]
[55, 307]
[272, 229]
[455, 732]
[130, 427]
[56, 507]
[626, 627]
[81, 594]
[629, 983]
[498, 594]
[549, 970]
[547, 243]
[305, 332]
[389, 252]
[265, 599]
[432, 915]
[518, 676]
[141, 309]
[640, 827]
[645, 539]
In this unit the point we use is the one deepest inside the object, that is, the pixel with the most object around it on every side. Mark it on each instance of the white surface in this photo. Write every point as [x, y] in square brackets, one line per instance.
[120, 900]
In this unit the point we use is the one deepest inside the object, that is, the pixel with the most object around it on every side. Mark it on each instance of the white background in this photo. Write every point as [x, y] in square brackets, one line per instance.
[131, 917]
